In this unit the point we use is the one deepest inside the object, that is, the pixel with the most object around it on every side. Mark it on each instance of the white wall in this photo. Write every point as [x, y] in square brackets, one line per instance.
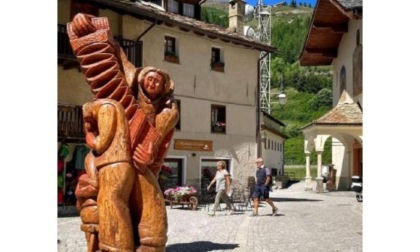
[345, 57]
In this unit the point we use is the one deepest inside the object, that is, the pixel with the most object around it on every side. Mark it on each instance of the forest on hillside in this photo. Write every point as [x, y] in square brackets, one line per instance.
[308, 89]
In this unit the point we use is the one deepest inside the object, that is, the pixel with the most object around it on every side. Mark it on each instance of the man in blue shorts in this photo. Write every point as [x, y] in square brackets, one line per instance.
[262, 187]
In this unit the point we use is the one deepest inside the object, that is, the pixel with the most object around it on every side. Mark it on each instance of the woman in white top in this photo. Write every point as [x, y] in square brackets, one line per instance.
[222, 180]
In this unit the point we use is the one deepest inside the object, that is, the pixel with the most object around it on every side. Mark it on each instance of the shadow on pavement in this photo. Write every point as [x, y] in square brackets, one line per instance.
[290, 183]
[292, 199]
[200, 246]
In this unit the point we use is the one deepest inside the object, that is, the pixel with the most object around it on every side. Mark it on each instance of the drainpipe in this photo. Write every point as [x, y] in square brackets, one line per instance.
[146, 31]
[258, 135]
[198, 16]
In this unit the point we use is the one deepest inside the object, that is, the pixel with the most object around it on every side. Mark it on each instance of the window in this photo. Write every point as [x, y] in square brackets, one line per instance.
[76, 7]
[184, 7]
[157, 2]
[173, 6]
[342, 79]
[178, 124]
[188, 10]
[218, 119]
[217, 63]
[175, 178]
[170, 50]
[208, 169]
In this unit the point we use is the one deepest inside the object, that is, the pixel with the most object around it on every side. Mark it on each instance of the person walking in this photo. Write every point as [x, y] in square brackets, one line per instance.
[222, 180]
[262, 187]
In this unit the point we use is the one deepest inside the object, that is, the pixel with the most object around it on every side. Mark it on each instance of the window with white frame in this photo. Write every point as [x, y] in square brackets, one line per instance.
[171, 54]
[173, 6]
[188, 10]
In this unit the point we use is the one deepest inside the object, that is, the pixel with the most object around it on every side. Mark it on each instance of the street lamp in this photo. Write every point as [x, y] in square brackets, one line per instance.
[282, 96]
[282, 99]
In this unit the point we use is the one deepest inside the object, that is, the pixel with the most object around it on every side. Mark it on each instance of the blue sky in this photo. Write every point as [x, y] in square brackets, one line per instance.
[272, 2]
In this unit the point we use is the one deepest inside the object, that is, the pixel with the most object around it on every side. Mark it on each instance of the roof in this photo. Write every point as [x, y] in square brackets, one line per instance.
[329, 23]
[346, 113]
[272, 129]
[273, 118]
[186, 24]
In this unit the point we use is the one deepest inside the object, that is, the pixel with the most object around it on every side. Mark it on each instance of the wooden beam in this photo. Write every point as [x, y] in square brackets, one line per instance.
[327, 52]
[184, 29]
[339, 28]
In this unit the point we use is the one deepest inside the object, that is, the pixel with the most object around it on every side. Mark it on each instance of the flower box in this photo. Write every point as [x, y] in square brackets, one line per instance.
[218, 66]
[219, 127]
[171, 58]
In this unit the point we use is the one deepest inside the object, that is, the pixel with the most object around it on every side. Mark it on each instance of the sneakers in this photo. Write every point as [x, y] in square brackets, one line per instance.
[211, 213]
[230, 212]
[275, 211]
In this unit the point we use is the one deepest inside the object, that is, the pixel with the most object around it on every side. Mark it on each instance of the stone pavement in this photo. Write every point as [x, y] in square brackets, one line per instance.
[306, 221]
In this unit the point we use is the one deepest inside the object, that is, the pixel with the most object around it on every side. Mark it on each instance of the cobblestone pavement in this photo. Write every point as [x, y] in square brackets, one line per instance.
[306, 221]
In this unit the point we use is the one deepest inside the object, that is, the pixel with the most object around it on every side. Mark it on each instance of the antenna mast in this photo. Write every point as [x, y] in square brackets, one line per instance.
[264, 35]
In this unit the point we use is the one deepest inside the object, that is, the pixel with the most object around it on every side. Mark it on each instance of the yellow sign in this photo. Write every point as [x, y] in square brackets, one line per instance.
[193, 145]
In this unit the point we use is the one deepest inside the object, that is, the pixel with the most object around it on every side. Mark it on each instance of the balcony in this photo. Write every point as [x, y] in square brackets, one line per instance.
[131, 48]
[70, 123]
[70, 117]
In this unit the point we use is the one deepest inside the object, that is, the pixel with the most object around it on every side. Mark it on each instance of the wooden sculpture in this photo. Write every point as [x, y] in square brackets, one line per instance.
[132, 152]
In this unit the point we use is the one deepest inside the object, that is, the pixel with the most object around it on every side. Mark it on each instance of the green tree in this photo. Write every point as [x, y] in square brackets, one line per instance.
[322, 99]
[215, 16]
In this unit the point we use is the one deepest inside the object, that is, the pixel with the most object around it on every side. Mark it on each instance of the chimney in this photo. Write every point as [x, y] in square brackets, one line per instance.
[236, 15]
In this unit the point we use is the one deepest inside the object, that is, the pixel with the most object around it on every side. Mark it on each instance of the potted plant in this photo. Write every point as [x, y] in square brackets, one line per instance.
[171, 57]
[217, 66]
[180, 192]
[219, 126]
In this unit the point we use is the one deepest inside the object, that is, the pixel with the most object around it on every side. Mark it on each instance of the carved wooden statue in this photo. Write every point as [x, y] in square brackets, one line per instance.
[128, 127]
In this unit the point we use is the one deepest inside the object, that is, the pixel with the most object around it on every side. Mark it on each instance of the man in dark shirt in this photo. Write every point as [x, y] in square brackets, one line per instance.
[262, 187]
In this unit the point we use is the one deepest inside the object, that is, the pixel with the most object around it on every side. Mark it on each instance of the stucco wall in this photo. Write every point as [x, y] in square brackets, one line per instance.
[193, 75]
[345, 57]
[273, 158]
[72, 87]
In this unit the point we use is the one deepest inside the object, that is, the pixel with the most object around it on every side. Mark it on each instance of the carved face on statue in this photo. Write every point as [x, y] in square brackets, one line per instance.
[153, 84]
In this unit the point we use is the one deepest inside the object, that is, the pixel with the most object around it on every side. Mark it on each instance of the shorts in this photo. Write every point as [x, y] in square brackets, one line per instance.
[261, 190]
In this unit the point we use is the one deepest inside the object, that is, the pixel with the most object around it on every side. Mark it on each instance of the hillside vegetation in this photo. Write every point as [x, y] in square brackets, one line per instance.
[308, 89]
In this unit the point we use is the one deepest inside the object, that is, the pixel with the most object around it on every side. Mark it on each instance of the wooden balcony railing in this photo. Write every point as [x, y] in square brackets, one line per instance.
[70, 122]
[133, 49]
[70, 118]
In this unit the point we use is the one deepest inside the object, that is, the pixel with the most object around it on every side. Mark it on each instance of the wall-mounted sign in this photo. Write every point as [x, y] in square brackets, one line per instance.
[193, 145]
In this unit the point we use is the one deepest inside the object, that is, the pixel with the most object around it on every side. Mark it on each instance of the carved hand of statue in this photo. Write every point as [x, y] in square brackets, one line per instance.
[90, 133]
[143, 156]
[82, 24]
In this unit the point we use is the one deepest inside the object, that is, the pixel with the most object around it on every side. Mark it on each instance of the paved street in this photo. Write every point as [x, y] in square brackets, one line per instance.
[306, 221]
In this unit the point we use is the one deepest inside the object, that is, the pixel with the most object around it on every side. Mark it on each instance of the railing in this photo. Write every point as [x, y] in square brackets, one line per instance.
[132, 49]
[70, 118]
[70, 122]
